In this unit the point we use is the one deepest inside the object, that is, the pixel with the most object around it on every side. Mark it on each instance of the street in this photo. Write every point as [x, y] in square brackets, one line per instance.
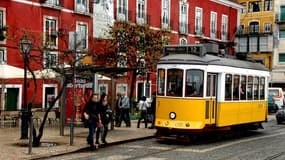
[263, 144]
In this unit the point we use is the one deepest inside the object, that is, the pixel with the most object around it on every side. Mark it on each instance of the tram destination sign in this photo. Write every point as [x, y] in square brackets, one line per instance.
[196, 49]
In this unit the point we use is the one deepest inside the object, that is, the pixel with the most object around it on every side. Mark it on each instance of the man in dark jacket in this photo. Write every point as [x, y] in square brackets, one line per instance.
[92, 115]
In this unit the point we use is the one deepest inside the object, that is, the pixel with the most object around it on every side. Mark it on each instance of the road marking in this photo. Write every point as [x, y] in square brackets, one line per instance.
[228, 144]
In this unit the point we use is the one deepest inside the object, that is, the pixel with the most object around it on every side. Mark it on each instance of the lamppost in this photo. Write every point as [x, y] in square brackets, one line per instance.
[25, 46]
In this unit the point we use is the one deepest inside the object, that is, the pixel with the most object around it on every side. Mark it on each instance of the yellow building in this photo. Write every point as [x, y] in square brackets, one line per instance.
[254, 36]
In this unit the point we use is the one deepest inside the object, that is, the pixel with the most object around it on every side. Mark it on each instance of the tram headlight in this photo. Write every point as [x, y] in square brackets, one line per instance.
[172, 115]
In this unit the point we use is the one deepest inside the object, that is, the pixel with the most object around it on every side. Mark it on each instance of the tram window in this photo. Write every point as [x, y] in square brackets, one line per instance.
[242, 88]
[236, 87]
[261, 88]
[249, 88]
[174, 82]
[161, 82]
[256, 88]
[228, 87]
[194, 83]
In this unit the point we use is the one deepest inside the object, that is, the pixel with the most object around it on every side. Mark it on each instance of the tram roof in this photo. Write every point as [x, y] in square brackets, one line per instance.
[210, 60]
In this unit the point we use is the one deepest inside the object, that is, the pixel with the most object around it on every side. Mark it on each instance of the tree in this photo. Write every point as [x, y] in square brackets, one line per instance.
[135, 46]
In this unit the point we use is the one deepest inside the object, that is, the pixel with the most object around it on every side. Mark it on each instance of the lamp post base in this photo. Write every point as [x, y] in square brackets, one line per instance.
[24, 125]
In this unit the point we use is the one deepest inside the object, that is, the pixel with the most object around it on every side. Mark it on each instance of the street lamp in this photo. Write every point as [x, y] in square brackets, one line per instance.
[25, 46]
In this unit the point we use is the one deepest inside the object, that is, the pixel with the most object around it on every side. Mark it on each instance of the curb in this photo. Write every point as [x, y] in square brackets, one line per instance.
[87, 149]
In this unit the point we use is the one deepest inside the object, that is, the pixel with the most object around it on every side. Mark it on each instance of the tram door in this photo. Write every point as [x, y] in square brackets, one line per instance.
[211, 107]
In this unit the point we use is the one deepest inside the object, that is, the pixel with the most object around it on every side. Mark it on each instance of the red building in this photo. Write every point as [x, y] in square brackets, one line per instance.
[47, 24]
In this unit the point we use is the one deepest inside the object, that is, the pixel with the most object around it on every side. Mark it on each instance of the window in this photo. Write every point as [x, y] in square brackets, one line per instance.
[263, 44]
[281, 57]
[213, 24]
[282, 13]
[256, 88]
[242, 88]
[81, 5]
[174, 82]
[253, 27]
[165, 13]
[242, 45]
[50, 59]
[82, 36]
[262, 88]
[255, 6]
[198, 21]
[161, 82]
[183, 18]
[282, 33]
[103, 88]
[228, 87]
[53, 2]
[141, 11]
[50, 33]
[194, 83]
[1, 18]
[3, 58]
[224, 27]
[267, 27]
[243, 10]
[122, 88]
[122, 14]
[249, 89]
[241, 29]
[253, 43]
[268, 5]
[236, 87]
[183, 41]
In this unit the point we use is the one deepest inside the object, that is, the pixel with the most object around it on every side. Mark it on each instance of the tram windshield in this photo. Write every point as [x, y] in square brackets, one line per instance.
[174, 82]
[170, 82]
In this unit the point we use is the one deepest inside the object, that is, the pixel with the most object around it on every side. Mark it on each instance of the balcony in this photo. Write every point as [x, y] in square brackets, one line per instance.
[254, 43]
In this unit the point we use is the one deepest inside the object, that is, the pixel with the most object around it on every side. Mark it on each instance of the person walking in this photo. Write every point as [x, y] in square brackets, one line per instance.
[125, 101]
[118, 110]
[92, 116]
[143, 106]
[105, 114]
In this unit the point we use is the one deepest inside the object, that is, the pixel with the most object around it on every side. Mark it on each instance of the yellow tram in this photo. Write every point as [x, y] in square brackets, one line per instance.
[199, 92]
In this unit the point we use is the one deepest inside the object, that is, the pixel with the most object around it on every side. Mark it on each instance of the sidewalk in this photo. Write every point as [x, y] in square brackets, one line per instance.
[9, 137]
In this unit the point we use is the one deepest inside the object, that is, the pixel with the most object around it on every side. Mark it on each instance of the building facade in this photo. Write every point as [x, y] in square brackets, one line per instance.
[254, 36]
[278, 69]
[48, 24]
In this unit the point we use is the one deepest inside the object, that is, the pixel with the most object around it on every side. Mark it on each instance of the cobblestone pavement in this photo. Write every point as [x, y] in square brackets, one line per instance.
[10, 138]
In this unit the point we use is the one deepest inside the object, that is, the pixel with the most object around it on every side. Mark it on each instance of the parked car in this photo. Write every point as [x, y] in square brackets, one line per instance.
[277, 94]
[272, 106]
[280, 116]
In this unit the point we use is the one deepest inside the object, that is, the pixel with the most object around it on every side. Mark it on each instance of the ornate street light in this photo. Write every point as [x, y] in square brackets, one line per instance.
[25, 46]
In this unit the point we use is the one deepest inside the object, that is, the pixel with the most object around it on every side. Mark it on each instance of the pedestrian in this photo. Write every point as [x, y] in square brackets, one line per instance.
[152, 110]
[143, 106]
[106, 114]
[92, 115]
[125, 107]
[118, 110]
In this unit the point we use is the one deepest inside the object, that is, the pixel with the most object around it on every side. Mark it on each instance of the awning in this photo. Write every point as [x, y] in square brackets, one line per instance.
[9, 72]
